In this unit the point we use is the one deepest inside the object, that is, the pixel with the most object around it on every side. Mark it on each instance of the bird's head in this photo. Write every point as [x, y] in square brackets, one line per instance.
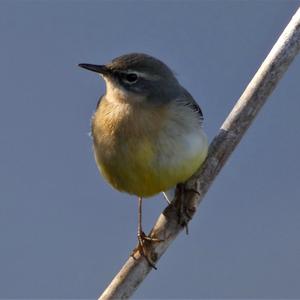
[137, 78]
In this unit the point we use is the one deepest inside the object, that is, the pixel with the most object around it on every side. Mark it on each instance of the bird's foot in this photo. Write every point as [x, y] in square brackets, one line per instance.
[183, 218]
[184, 212]
[143, 248]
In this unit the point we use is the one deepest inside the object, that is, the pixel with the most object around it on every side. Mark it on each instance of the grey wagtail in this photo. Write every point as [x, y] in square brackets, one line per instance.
[147, 130]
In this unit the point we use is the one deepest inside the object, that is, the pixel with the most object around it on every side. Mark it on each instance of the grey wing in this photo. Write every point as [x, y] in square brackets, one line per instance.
[188, 100]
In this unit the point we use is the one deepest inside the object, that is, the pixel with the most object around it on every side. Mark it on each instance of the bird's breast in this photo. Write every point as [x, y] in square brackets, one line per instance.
[145, 151]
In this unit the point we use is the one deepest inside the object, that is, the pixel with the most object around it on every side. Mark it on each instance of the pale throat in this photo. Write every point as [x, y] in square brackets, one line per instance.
[116, 93]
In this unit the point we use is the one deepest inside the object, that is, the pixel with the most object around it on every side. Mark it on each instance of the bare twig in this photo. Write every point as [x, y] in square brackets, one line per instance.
[231, 132]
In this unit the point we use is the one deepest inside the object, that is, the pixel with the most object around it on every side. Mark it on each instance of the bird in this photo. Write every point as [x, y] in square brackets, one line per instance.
[147, 130]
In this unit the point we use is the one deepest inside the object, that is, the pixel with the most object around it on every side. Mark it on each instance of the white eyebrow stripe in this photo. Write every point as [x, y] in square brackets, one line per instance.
[144, 75]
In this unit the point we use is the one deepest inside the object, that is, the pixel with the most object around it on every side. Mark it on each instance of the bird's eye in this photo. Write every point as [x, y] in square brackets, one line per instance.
[131, 77]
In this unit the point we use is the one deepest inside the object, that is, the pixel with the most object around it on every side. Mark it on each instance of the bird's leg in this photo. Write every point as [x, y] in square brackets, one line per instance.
[143, 239]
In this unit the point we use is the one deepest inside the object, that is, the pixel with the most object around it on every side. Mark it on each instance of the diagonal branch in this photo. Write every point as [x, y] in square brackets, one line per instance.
[240, 118]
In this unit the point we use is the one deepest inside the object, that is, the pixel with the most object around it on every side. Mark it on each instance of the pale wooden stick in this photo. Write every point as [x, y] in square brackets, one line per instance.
[243, 113]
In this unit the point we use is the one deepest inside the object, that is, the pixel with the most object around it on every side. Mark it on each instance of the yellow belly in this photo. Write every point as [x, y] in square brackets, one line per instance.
[142, 169]
[142, 160]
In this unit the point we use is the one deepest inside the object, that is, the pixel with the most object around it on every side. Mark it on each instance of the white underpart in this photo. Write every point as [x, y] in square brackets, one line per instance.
[186, 149]
[194, 143]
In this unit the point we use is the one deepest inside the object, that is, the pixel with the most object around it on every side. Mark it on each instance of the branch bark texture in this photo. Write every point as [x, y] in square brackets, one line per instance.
[234, 127]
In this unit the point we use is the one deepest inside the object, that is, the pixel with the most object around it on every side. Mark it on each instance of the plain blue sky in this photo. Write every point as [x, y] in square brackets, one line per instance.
[64, 232]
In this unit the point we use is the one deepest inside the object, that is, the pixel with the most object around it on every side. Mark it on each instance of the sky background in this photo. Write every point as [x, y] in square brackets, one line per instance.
[64, 232]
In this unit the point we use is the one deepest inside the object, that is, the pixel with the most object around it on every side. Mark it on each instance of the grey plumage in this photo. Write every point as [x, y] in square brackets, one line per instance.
[159, 86]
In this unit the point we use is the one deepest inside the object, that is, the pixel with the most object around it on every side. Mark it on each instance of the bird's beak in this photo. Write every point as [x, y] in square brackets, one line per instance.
[102, 69]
